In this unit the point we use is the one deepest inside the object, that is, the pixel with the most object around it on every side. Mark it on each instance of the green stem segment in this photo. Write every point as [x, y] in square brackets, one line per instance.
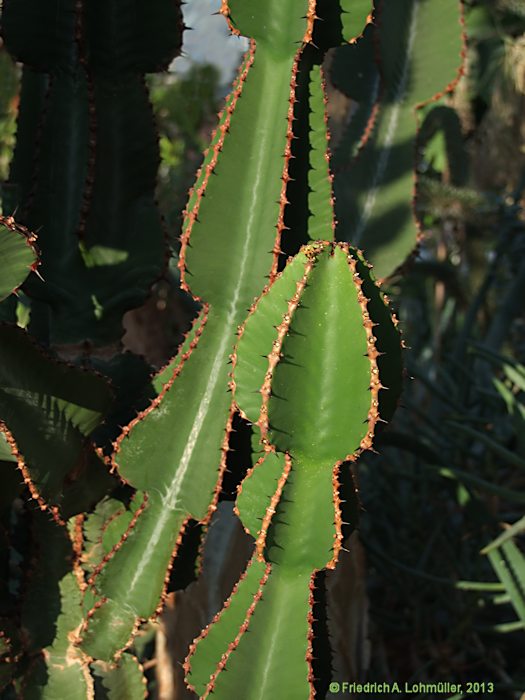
[319, 396]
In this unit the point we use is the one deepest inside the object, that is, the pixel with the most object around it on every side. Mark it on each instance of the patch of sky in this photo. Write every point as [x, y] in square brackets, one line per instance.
[209, 41]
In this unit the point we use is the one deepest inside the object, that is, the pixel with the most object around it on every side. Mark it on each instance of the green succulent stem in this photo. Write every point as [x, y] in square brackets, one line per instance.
[312, 382]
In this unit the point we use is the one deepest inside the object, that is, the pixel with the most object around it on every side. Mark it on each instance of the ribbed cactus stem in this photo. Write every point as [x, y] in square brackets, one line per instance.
[310, 375]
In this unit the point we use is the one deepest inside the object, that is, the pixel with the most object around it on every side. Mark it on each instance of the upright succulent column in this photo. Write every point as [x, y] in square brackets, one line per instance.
[307, 373]
[85, 164]
[230, 245]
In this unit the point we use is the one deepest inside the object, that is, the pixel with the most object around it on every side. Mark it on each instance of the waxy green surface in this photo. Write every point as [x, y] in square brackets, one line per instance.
[229, 256]
[354, 16]
[103, 529]
[320, 397]
[278, 25]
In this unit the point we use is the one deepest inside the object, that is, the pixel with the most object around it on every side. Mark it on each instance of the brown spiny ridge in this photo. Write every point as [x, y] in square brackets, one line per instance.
[88, 678]
[134, 632]
[221, 130]
[225, 12]
[78, 534]
[311, 16]
[142, 675]
[309, 647]
[285, 177]
[78, 544]
[30, 239]
[275, 354]
[98, 604]
[204, 633]
[200, 323]
[162, 602]
[260, 543]
[373, 354]
[10, 223]
[338, 517]
[222, 464]
[96, 571]
[35, 495]
[198, 566]
[365, 137]
[235, 643]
